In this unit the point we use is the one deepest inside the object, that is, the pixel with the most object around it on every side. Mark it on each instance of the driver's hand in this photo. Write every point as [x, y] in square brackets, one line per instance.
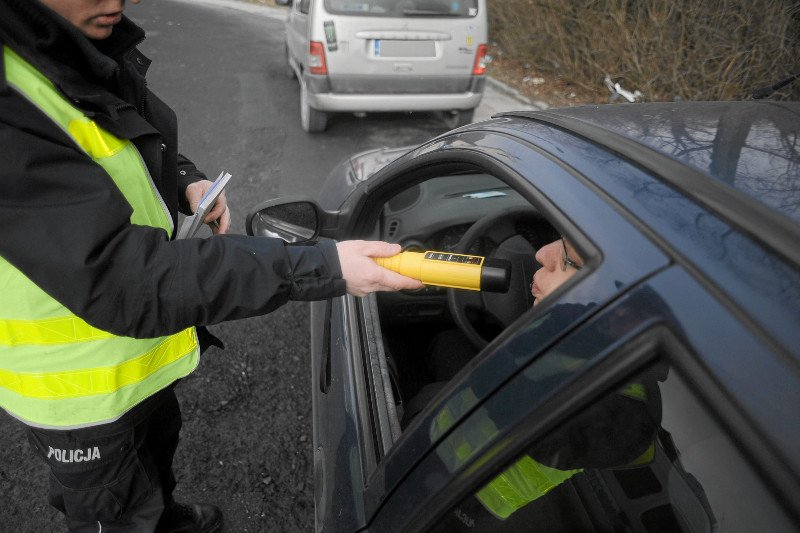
[219, 218]
[363, 275]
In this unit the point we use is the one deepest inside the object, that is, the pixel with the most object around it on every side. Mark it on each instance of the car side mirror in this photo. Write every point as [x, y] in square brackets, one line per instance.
[291, 220]
[283, 2]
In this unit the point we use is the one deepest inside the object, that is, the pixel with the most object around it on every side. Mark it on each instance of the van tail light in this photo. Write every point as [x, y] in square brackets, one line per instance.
[480, 61]
[316, 58]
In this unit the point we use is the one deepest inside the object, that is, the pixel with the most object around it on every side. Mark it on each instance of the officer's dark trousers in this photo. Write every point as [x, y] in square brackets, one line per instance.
[116, 477]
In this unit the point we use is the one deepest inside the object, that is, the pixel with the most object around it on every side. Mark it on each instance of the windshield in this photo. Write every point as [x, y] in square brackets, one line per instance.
[403, 8]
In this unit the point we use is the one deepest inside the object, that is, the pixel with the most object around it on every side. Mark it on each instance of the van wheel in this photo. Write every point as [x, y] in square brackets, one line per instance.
[311, 120]
[456, 119]
[288, 70]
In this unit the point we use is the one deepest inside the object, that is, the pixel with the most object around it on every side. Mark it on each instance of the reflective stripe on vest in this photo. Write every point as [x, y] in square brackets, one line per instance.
[55, 369]
[59, 330]
[520, 484]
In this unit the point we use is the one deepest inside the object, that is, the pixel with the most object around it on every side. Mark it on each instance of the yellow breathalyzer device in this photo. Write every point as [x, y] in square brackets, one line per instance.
[446, 269]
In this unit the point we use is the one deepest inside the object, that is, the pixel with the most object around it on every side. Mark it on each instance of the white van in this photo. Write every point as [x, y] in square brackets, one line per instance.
[386, 55]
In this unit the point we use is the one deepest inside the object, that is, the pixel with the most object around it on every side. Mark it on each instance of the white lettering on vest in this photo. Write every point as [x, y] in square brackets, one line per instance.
[74, 456]
[461, 515]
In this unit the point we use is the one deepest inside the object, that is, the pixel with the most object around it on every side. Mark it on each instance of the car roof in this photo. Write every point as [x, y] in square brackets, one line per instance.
[741, 159]
[752, 146]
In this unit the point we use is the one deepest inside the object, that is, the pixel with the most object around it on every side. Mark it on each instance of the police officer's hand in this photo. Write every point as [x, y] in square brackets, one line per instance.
[219, 218]
[363, 275]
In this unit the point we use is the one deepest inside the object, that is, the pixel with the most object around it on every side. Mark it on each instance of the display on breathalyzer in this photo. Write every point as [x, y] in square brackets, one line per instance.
[446, 269]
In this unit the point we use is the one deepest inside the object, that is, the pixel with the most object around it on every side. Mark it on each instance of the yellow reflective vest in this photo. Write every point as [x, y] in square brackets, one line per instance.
[55, 369]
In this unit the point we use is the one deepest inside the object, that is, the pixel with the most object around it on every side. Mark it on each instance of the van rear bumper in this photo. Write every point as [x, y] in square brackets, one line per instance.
[393, 102]
[322, 98]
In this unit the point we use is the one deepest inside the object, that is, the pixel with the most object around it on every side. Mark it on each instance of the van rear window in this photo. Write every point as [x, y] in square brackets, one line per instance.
[403, 8]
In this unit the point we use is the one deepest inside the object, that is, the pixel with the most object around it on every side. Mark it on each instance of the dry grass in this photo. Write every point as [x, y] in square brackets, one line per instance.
[688, 49]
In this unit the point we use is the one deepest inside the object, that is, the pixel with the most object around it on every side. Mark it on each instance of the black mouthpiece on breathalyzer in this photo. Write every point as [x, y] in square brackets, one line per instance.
[495, 275]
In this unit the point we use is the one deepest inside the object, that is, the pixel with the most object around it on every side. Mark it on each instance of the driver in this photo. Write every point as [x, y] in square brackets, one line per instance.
[450, 350]
[560, 261]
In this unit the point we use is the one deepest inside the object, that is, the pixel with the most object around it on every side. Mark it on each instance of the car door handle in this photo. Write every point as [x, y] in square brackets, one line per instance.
[325, 359]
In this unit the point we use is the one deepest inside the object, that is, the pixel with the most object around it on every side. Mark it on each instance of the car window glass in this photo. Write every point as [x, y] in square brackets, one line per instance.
[648, 456]
[404, 8]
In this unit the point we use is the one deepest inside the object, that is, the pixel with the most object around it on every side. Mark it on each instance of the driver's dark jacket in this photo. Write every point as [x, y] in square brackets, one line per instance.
[66, 226]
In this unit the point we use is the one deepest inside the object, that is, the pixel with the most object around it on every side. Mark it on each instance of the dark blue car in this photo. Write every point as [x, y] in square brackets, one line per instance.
[657, 389]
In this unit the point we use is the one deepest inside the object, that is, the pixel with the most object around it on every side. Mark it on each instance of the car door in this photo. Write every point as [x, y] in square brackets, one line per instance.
[362, 457]
[351, 424]
[642, 432]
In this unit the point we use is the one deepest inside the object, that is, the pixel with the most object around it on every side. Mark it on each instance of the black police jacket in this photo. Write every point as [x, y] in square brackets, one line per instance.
[66, 226]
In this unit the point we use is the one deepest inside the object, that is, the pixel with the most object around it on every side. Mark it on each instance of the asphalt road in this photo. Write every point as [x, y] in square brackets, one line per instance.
[247, 432]
[223, 71]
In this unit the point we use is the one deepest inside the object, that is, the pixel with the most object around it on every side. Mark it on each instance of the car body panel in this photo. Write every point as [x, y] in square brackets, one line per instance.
[337, 424]
[354, 170]
[350, 173]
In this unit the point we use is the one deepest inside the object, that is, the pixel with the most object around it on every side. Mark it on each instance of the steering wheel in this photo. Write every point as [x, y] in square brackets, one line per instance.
[499, 229]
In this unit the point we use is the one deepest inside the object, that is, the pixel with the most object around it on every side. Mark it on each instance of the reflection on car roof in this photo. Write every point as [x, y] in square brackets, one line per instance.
[750, 146]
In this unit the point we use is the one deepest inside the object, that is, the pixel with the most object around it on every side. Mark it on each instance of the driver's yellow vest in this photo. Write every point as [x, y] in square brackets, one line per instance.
[55, 369]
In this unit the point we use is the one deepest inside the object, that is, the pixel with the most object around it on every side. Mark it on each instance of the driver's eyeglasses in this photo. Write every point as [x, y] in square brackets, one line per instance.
[567, 261]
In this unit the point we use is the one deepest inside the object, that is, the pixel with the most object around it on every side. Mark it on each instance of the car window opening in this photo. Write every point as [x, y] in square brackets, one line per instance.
[430, 335]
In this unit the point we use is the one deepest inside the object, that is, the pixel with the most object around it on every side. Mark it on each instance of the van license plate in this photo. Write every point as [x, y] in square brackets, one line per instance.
[391, 48]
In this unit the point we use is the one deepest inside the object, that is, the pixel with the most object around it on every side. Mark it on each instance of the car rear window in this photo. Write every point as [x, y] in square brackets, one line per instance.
[407, 8]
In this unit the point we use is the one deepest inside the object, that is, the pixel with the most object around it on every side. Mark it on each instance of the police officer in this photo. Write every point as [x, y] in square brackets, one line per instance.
[100, 309]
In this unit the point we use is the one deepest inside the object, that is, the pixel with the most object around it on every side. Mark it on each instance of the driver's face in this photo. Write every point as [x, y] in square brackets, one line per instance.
[94, 18]
[552, 275]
